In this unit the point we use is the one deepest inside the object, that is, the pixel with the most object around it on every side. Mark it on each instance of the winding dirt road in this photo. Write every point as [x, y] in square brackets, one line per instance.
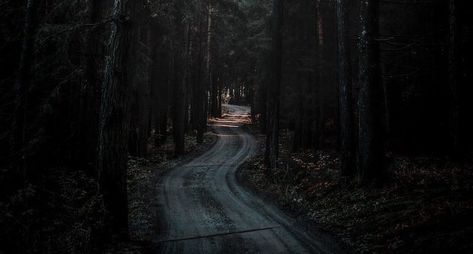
[203, 209]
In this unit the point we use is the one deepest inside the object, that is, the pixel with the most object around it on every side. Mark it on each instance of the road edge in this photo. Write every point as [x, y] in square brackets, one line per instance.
[301, 221]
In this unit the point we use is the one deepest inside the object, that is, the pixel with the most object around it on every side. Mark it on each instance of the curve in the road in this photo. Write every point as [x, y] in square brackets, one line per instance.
[203, 209]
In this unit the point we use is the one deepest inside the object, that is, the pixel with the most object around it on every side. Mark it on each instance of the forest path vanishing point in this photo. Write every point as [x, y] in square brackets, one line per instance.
[203, 209]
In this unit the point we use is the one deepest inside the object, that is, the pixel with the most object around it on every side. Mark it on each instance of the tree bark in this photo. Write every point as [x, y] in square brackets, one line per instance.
[347, 144]
[219, 98]
[23, 84]
[210, 75]
[371, 150]
[138, 65]
[179, 102]
[298, 140]
[90, 93]
[199, 116]
[453, 74]
[165, 79]
[178, 110]
[188, 77]
[319, 98]
[114, 121]
[214, 98]
[272, 137]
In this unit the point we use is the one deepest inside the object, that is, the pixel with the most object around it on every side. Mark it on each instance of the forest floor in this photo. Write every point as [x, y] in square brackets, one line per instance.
[426, 205]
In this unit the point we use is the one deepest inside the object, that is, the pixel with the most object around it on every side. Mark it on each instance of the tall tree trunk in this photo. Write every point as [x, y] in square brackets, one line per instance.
[165, 91]
[272, 137]
[145, 95]
[90, 93]
[212, 78]
[347, 144]
[219, 98]
[179, 107]
[306, 116]
[252, 99]
[371, 150]
[213, 98]
[209, 45]
[263, 107]
[188, 77]
[160, 71]
[154, 82]
[297, 139]
[138, 65]
[23, 84]
[319, 97]
[453, 74]
[179, 94]
[114, 120]
[199, 116]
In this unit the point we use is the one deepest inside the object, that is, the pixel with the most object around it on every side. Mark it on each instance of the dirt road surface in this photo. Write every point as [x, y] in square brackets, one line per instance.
[203, 209]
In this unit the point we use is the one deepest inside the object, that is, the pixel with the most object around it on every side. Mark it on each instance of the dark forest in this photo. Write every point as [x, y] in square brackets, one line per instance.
[236, 126]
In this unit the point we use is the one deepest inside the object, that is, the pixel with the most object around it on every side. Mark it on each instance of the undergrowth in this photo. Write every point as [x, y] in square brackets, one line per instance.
[425, 205]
